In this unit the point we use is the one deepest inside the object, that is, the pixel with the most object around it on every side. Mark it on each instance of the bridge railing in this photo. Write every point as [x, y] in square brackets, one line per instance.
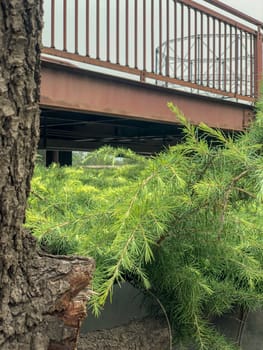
[172, 43]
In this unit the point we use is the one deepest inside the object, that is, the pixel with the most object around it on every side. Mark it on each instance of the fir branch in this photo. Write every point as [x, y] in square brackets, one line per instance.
[114, 273]
[45, 200]
[245, 191]
[133, 200]
[226, 199]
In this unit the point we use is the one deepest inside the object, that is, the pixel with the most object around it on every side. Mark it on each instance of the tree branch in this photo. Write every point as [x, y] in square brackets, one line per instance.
[226, 199]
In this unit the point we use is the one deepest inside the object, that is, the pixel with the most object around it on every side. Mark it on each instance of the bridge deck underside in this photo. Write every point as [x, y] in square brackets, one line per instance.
[85, 110]
[62, 130]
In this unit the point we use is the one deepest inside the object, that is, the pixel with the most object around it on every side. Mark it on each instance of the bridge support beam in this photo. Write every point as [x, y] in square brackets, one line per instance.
[67, 87]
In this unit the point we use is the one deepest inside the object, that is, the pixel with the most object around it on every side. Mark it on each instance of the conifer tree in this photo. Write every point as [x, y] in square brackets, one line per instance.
[185, 225]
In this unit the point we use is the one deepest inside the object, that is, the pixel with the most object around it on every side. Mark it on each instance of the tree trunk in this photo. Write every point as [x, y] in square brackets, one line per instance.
[36, 289]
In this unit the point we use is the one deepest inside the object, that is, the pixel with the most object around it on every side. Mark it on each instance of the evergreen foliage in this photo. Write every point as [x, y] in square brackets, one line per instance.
[186, 224]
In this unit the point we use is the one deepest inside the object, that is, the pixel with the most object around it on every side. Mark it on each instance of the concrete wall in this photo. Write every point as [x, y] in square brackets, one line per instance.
[252, 336]
[147, 334]
[128, 304]
[127, 324]
[253, 332]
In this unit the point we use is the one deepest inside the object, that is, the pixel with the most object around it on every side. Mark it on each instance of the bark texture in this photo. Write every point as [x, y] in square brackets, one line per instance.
[35, 289]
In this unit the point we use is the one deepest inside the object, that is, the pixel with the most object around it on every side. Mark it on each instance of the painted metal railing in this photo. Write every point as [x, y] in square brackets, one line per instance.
[172, 43]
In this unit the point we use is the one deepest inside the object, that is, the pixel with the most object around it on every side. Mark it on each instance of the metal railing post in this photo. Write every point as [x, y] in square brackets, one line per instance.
[52, 44]
[258, 62]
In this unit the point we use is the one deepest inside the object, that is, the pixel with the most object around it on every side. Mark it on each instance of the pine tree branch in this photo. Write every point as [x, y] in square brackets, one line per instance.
[203, 171]
[246, 192]
[226, 199]
[142, 185]
[38, 196]
[114, 275]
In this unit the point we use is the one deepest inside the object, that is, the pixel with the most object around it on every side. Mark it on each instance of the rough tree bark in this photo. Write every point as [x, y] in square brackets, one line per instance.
[36, 289]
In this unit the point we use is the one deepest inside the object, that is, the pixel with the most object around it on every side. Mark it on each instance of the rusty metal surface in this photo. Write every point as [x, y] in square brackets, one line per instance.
[178, 42]
[156, 77]
[258, 63]
[74, 89]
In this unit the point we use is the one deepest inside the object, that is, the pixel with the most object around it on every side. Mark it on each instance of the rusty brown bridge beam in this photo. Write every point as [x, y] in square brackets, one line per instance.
[66, 87]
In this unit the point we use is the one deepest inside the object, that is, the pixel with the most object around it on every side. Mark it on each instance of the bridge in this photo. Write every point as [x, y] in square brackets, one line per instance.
[109, 67]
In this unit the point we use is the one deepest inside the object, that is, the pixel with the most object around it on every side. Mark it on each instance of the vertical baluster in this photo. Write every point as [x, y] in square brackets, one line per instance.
[117, 32]
[214, 52]
[76, 26]
[182, 41]
[246, 65]
[258, 61]
[231, 59]
[236, 61]
[189, 45]
[87, 28]
[200, 64]
[98, 30]
[144, 35]
[241, 64]
[175, 39]
[219, 53]
[255, 47]
[52, 23]
[251, 66]
[160, 36]
[152, 36]
[168, 39]
[108, 32]
[136, 34]
[225, 54]
[196, 44]
[127, 33]
[208, 50]
[65, 25]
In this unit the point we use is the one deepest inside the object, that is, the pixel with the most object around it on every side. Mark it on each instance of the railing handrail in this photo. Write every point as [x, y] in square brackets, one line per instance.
[173, 43]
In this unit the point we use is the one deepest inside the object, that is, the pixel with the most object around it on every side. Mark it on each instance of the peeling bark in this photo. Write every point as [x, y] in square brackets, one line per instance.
[36, 289]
